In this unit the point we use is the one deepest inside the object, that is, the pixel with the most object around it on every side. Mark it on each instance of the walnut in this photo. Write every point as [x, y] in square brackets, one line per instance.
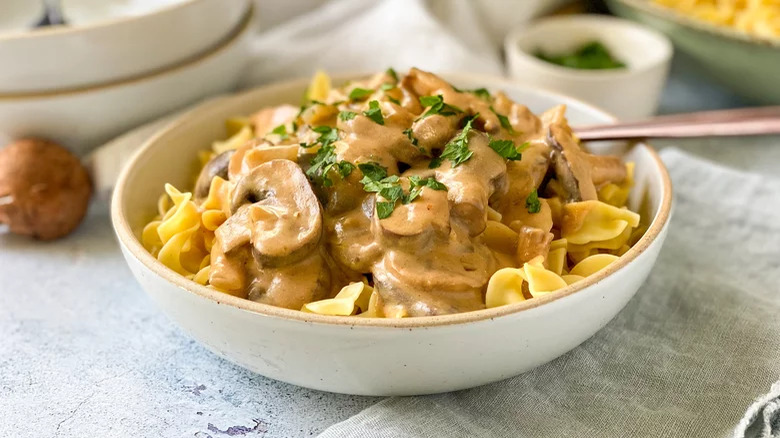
[44, 189]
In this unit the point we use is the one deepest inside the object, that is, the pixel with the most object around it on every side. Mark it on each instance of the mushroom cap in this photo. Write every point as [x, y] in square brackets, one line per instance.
[217, 166]
[286, 215]
[44, 189]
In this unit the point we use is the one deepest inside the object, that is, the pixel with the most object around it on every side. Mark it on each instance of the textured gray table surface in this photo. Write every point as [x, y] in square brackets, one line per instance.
[84, 352]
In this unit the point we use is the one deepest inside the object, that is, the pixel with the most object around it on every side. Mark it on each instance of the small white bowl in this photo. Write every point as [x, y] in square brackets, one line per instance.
[372, 356]
[63, 57]
[631, 93]
[83, 118]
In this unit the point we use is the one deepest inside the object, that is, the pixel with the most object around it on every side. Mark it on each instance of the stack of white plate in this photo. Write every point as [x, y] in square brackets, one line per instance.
[114, 64]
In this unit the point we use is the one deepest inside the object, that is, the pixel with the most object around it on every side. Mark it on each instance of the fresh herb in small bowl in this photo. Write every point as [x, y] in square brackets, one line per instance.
[590, 56]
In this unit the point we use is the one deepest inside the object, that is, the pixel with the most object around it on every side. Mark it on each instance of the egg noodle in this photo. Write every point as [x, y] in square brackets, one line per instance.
[576, 239]
[760, 18]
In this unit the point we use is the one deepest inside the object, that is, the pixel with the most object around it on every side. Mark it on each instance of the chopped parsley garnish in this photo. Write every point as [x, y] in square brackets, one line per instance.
[504, 120]
[281, 131]
[390, 72]
[384, 209]
[374, 112]
[591, 56]
[482, 93]
[327, 136]
[324, 162]
[347, 115]
[325, 159]
[456, 150]
[394, 100]
[408, 133]
[360, 93]
[385, 87]
[436, 105]
[532, 203]
[375, 180]
[373, 171]
[417, 184]
[507, 149]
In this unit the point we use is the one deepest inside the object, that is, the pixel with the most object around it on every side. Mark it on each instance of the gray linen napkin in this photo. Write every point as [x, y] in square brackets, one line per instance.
[763, 417]
[685, 358]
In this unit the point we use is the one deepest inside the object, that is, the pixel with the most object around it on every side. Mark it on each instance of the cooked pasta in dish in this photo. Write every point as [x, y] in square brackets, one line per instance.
[396, 196]
[760, 18]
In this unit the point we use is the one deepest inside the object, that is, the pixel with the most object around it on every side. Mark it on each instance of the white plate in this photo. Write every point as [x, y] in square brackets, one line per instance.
[59, 58]
[83, 119]
[373, 356]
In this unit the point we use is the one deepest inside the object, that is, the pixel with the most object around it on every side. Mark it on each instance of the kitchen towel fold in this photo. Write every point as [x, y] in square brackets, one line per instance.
[685, 358]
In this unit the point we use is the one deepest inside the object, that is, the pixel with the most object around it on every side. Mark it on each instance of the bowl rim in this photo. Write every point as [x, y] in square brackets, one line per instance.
[128, 239]
[664, 47]
[234, 37]
[674, 16]
[61, 29]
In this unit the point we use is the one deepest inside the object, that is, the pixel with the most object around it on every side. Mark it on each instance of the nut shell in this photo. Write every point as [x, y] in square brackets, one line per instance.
[44, 189]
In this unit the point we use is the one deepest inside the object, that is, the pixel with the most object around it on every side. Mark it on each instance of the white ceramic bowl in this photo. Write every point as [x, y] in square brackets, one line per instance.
[630, 93]
[63, 57]
[89, 12]
[18, 16]
[376, 356]
[84, 118]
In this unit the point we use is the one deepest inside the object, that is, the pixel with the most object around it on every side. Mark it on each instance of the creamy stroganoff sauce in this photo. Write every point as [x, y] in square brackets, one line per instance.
[411, 185]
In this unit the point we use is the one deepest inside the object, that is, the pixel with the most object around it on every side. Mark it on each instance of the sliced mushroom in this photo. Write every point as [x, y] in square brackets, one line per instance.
[294, 285]
[570, 165]
[417, 222]
[606, 169]
[524, 177]
[532, 242]
[433, 132]
[217, 166]
[473, 183]
[286, 216]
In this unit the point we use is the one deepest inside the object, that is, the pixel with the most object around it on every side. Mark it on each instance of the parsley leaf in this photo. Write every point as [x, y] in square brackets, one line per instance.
[505, 148]
[416, 185]
[360, 93]
[281, 131]
[504, 120]
[327, 136]
[482, 93]
[384, 209]
[385, 87]
[394, 100]
[374, 112]
[375, 180]
[347, 115]
[390, 72]
[344, 168]
[325, 159]
[408, 133]
[456, 150]
[532, 203]
[373, 171]
[437, 106]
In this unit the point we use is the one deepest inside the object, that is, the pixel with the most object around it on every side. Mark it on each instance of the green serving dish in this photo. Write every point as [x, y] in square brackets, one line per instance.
[748, 65]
